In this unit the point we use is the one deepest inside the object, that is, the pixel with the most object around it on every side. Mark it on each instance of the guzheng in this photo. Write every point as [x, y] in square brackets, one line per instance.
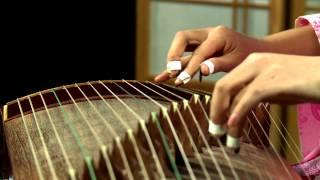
[129, 130]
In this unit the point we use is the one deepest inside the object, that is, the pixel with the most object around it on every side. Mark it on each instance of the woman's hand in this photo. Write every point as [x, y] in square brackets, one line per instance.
[222, 47]
[263, 77]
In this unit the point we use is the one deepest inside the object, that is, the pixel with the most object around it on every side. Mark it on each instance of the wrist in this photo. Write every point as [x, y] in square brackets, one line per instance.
[299, 41]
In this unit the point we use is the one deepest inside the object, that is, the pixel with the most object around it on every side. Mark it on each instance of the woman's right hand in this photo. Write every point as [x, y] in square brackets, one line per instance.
[221, 47]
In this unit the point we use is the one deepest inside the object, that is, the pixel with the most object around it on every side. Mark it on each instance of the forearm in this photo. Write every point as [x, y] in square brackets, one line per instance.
[299, 41]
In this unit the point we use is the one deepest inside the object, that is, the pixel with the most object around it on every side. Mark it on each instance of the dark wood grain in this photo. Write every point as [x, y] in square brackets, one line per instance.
[5, 166]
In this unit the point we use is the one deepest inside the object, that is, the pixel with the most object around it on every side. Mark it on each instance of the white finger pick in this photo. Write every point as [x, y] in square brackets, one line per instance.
[210, 65]
[233, 142]
[174, 65]
[216, 129]
[184, 77]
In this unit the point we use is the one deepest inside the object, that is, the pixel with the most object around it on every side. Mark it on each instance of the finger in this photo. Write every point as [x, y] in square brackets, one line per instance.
[218, 64]
[205, 50]
[182, 39]
[183, 62]
[213, 44]
[225, 89]
[162, 77]
[179, 45]
[166, 75]
[243, 103]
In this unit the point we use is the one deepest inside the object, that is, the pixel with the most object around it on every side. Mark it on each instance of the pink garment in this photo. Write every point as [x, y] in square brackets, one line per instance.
[309, 118]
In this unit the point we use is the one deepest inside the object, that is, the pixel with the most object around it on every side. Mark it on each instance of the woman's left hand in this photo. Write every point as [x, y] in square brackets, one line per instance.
[264, 77]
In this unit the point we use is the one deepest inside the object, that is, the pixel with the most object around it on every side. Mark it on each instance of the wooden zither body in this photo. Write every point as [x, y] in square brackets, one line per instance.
[128, 130]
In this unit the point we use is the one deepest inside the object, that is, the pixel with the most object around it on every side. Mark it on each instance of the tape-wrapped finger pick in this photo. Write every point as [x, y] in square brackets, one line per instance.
[184, 77]
[210, 65]
[216, 129]
[233, 142]
[174, 66]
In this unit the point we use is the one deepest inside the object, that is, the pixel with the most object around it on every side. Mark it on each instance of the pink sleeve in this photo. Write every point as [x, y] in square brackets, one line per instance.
[309, 115]
[313, 20]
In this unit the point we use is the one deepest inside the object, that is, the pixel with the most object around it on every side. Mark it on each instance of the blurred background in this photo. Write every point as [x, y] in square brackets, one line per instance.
[48, 45]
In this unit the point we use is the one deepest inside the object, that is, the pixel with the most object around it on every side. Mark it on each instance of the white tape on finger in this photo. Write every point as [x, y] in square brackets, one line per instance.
[210, 65]
[216, 129]
[174, 65]
[184, 77]
[233, 142]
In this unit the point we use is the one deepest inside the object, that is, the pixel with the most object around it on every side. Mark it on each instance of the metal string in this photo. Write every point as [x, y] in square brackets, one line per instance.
[143, 127]
[189, 134]
[164, 109]
[46, 152]
[207, 144]
[260, 139]
[258, 172]
[135, 146]
[96, 136]
[71, 170]
[114, 134]
[197, 154]
[271, 144]
[283, 136]
[30, 142]
[85, 153]
[278, 156]
[155, 119]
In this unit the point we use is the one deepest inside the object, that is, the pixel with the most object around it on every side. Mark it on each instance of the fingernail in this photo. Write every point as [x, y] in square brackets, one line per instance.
[184, 77]
[233, 142]
[210, 65]
[216, 129]
[233, 120]
[173, 65]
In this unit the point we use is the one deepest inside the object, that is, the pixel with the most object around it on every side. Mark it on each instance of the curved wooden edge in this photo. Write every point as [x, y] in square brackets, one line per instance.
[11, 109]
[60, 87]
[5, 113]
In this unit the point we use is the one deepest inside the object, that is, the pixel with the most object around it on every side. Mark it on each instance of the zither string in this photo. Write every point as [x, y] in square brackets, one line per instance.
[117, 139]
[39, 171]
[137, 152]
[155, 119]
[184, 157]
[258, 171]
[71, 170]
[201, 107]
[46, 152]
[283, 136]
[271, 144]
[84, 151]
[143, 127]
[96, 136]
[197, 154]
[213, 159]
[201, 133]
